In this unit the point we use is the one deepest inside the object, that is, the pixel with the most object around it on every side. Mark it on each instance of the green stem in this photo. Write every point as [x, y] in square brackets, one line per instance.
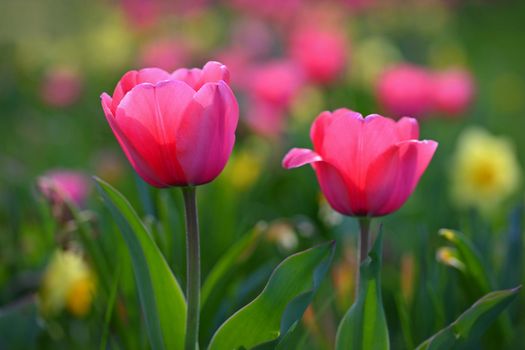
[364, 240]
[192, 267]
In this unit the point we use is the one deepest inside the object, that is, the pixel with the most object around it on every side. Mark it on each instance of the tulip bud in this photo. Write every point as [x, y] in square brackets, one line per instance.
[176, 129]
[365, 166]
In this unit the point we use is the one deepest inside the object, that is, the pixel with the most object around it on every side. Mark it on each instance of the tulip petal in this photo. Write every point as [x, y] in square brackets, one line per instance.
[159, 108]
[334, 187]
[207, 132]
[214, 71]
[393, 176]
[106, 102]
[191, 76]
[149, 116]
[407, 129]
[297, 157]
[146, 169]
[349, 142]
[133, 78]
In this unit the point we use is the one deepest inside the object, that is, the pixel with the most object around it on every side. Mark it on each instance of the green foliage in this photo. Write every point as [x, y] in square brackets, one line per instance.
[472, 323]
[161, 297]
[364, 325]
[275, 312]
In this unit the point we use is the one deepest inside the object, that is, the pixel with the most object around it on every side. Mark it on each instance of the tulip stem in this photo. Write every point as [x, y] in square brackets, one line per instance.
[364, 240]
[193, 271]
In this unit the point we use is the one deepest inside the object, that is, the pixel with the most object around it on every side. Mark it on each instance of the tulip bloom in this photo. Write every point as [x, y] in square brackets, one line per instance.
[365, 166]
[321, 53]
[276, 82]
[61, 87]
[453, 91]
[59, 186]
[405, 90]
[176, 129]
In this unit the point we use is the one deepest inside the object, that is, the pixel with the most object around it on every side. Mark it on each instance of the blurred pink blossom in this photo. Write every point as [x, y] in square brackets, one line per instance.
[253, 36]
[453, 91]
[405, 90]
[166, 54]
[59, 186]
[265, 118]
[278, 10]
[61, 87]
[276, 82]
[322, 53]
[145, 13]
[239, 62]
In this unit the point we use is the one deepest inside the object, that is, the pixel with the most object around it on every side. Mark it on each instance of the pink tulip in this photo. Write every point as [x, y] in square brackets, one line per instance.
[59, 186]
[176, 129]
[453, 91]
[61, 87]
[276, 82]
[278, 10]
[146, 13]
[365, 166]
[405, 90]
[264, 118]
[165, 54]
[321, 53]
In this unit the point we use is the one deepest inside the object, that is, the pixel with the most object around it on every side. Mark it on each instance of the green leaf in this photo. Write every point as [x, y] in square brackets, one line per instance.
[215, 288]
[469, 256]
[280, 305]
[161, 297]
[19, 328]
[473, 322]
[364, 325]
[89, 242]
[239, 252]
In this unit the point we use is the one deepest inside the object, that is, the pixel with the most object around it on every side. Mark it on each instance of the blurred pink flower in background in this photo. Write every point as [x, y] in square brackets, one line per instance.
[167, 54]
[365, 166]
[357, 5]
[321, 52]
[453, 91]
[59, 186]
[271, 89]
[405, 90]
[265, 118]
[253, 36]
[141, 13]
[61, 86]
[276, 82]
[278, 10]
[146, 13]
[238, 60]
[176, 129]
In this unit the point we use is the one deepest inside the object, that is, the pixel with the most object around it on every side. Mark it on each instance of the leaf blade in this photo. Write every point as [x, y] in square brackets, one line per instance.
[473, 321]
[276, 309]
[161, 297]
[364, 325]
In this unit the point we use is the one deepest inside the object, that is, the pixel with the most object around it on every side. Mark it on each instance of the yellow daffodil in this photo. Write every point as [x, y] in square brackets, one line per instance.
[67, 283]
[484, 170]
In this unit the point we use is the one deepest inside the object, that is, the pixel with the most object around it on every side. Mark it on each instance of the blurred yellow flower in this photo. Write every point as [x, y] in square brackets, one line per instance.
[67, 283]
[243, 169]
[484, 170]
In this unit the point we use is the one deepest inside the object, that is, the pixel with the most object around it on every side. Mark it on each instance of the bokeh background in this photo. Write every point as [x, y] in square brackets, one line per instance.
[455, 65]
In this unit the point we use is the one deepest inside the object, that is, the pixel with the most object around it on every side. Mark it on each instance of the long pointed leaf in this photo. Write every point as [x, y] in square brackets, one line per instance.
[160, 295]
[280, 305]
[473, 322]
[364, 325]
